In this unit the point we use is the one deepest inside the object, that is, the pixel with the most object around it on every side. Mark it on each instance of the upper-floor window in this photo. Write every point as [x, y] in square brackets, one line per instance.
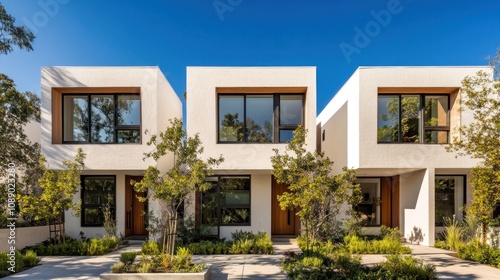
[101, 118]
[421, 118]
[259, 118]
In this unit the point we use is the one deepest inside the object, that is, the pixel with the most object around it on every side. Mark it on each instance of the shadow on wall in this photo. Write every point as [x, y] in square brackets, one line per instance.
[416, 236]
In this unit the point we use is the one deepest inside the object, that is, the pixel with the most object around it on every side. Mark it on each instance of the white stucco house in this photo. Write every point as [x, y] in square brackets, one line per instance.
[106, 111]
[243, 113]
[392, 124]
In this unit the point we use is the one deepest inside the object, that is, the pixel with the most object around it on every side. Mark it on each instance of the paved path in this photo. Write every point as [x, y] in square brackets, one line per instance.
[65, 267]
[249, 266]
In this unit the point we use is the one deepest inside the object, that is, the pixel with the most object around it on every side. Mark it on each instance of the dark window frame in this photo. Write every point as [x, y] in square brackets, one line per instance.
[464, 193]
[116, 127]
[220, 206]
[277, 126]
[422, 127]
[96, 206]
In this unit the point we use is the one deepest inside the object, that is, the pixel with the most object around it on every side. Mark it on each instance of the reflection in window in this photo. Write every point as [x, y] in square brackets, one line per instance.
[388, 118]
[369, 208]
[110, 118]
[413, 118]
[76, 118]
[259, 118]
[97, 192]
[227, 202]
[256, 118]
[449, 198]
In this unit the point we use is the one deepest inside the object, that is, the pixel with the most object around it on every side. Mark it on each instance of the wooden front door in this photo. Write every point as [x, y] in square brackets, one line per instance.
[390, 201]
[283, 222]
[135, 220]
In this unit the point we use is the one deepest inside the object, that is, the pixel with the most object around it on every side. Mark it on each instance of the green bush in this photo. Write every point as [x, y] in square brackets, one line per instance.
[118, 268]
[243, 243]
[180, 263]
[393, 233]
[128, 257]
[72, 247]
[388, 245]
[150, 247]
[405, 267]
[31, 259]
[482, 253]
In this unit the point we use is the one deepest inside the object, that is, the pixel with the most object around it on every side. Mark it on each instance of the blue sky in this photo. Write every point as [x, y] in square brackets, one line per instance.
[336, 36]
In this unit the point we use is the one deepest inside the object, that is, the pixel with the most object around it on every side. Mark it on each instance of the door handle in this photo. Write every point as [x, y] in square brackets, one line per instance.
[288, 217]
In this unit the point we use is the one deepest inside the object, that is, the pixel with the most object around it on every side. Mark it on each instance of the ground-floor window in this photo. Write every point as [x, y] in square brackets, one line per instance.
[97, 193]
[449, 197]
[369, 208]
[227, 203]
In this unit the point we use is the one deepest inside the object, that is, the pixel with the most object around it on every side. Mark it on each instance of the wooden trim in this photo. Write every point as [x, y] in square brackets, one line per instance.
[319, 137]
[427, 90]
[395, 201]
[385, 196]
[260, 90]
[57, 106]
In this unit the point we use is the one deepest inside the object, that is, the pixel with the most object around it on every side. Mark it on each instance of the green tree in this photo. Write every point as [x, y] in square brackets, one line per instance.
[58, 188]
[173, 187]
[13, 35]
[480, 139]
[16, 110]
[313, 189]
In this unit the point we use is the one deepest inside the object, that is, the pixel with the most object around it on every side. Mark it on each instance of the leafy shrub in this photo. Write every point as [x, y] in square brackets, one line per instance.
[393, 233]
[128, 257]
[387, 245]
[405, 267]
[453, 234]
[72, 247]
[150, 247]
[118, 268]
[31, 259]
[482, 253]
[242, 246]
[243, 243]
[190, 232]
[312, 262]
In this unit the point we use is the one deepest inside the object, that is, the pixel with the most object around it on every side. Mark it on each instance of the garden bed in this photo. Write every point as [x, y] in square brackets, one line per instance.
[203, 275]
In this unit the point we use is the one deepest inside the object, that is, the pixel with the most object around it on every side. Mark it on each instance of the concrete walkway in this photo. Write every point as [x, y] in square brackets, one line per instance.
[249, 266]
[67, 267]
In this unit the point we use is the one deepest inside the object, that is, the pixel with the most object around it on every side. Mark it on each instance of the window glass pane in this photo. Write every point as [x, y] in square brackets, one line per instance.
[97, 192]
[76, 120]
[436, 111]
[369, 208]
[128, 136]
[445, 199]
[231, 118]
[436, 137]
[259, 119]
[93, 216]
[388, 118]
[291, 109]
[235, 215]
[129, 110]
[237, 197]
[410, 118]
[286, 135]
[209, 205]
[103, 118]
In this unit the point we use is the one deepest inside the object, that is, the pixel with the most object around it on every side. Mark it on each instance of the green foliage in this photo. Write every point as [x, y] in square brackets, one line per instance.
[191, 232]
[109, 223]
[480, 139]
[90, 247]
[23, 261]
[387, 245]
[128, 258]
[150, 247]
[118, 268]
[453, 234]
[482, 253]
[186, 176]
[58, 188]
[244, 242]
[343, 265]
[393, 233]
[13, 35]
[312, 187]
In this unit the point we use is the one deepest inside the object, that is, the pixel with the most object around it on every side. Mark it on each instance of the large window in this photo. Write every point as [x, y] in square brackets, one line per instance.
[227, 202]
[101, 118]
[259, 118]
[97, 192]
[449, 197]
[369, 208]
[413, 118]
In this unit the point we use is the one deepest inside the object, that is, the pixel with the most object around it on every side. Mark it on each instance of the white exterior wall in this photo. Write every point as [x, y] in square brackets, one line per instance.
[202, 83]
[156, 94]
[417, 164]
[159, 103]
